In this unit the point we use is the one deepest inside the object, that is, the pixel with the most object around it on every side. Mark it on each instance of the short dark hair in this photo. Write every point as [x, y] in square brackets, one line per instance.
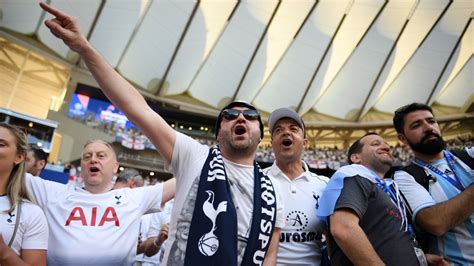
[400, 113]
[356, 147]
[39, 153]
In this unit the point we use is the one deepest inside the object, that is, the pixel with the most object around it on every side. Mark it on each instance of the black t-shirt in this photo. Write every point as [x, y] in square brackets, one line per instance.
[380, 220]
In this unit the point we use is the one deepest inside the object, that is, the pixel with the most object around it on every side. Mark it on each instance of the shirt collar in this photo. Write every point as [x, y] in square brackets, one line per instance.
[276, 172]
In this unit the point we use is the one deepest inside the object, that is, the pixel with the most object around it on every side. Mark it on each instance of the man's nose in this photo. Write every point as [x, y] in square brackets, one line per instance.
[241, 117]
[286, 131]
[94, 158]
[427, 127]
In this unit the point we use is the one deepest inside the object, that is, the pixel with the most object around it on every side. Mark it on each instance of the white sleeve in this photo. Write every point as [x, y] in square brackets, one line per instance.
[417, 196]
[36, 228]
[41, 190]
[149, 198]
[186, 152]
[155, 225]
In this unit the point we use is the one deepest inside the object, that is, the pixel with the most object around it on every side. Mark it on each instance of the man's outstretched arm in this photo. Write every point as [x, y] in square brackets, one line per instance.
[116, 88]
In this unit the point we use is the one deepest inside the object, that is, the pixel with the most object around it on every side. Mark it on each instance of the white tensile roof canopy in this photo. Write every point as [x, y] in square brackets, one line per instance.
[339, 60]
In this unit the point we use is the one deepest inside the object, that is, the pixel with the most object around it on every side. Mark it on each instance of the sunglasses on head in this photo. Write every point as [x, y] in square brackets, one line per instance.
[231, 114]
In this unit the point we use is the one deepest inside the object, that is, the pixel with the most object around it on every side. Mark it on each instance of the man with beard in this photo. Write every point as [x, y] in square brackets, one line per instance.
[444, 208]
[301, 237]
[367, 219]
[225, 211]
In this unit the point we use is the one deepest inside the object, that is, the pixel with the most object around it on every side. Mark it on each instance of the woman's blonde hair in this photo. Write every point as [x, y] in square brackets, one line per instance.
[16, 187]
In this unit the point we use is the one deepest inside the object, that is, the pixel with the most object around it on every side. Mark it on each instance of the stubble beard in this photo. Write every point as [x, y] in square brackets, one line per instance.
[381, 164]
[242, 146]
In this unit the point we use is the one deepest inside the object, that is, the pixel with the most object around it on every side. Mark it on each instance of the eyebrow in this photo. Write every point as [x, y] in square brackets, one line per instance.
[414, 122]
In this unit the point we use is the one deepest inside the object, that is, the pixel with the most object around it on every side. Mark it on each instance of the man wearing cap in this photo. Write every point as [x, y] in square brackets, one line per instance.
[301, 237]
[225, 211]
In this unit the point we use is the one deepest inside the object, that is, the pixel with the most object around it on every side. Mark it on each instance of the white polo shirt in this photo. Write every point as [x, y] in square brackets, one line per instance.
[301, 237]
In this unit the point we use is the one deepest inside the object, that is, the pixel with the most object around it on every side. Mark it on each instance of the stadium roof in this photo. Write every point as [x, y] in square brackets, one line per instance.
[346, 61]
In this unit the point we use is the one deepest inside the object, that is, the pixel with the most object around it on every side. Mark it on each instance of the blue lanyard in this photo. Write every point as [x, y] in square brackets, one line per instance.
[450, 159]
[396, 199]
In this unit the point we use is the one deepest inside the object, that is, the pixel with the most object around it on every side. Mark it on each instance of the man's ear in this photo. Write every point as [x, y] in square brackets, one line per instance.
[116, 166]
[19, 158]
[305, 143]
[355, 158]
[402, 138]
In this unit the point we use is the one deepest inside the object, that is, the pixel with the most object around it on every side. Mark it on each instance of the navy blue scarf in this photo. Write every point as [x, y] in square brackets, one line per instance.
[212, 236]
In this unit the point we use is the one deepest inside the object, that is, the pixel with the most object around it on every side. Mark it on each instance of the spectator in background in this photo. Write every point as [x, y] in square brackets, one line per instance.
[130, 178]
[301, 239]
[36, 160]
[156, 236]
[23, 227]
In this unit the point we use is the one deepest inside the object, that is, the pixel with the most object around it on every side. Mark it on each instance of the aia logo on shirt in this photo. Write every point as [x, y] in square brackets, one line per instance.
[91, 217]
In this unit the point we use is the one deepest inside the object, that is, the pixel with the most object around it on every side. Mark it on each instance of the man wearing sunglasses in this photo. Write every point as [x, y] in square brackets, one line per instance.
[225, 210]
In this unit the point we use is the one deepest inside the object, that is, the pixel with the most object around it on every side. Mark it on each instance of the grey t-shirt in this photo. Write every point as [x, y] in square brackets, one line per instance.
[380, 219]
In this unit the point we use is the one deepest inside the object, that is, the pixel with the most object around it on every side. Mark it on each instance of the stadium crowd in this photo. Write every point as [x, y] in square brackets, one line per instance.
[318, 157]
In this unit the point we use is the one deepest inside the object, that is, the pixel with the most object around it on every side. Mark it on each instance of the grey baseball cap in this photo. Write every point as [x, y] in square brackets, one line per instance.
[284, 112]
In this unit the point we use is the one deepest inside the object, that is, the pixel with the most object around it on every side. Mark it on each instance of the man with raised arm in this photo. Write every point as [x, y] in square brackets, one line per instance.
[437, 185]
[225, 210]
[96, 224]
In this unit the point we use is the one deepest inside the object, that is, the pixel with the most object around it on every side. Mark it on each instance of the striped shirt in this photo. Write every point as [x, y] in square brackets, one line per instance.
[457, 244]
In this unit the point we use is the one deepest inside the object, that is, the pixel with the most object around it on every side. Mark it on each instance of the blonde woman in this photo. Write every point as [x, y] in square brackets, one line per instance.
[23, 227]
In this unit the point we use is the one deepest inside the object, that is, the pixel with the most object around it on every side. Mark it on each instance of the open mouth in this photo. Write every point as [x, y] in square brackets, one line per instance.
[94, 169]
[287, 142]
[240, 130]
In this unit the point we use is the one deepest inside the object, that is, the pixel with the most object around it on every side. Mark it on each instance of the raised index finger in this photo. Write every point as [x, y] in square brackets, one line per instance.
[53, 11]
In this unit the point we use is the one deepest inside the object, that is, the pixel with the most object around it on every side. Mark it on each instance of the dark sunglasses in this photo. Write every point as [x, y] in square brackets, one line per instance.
[231, 114]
